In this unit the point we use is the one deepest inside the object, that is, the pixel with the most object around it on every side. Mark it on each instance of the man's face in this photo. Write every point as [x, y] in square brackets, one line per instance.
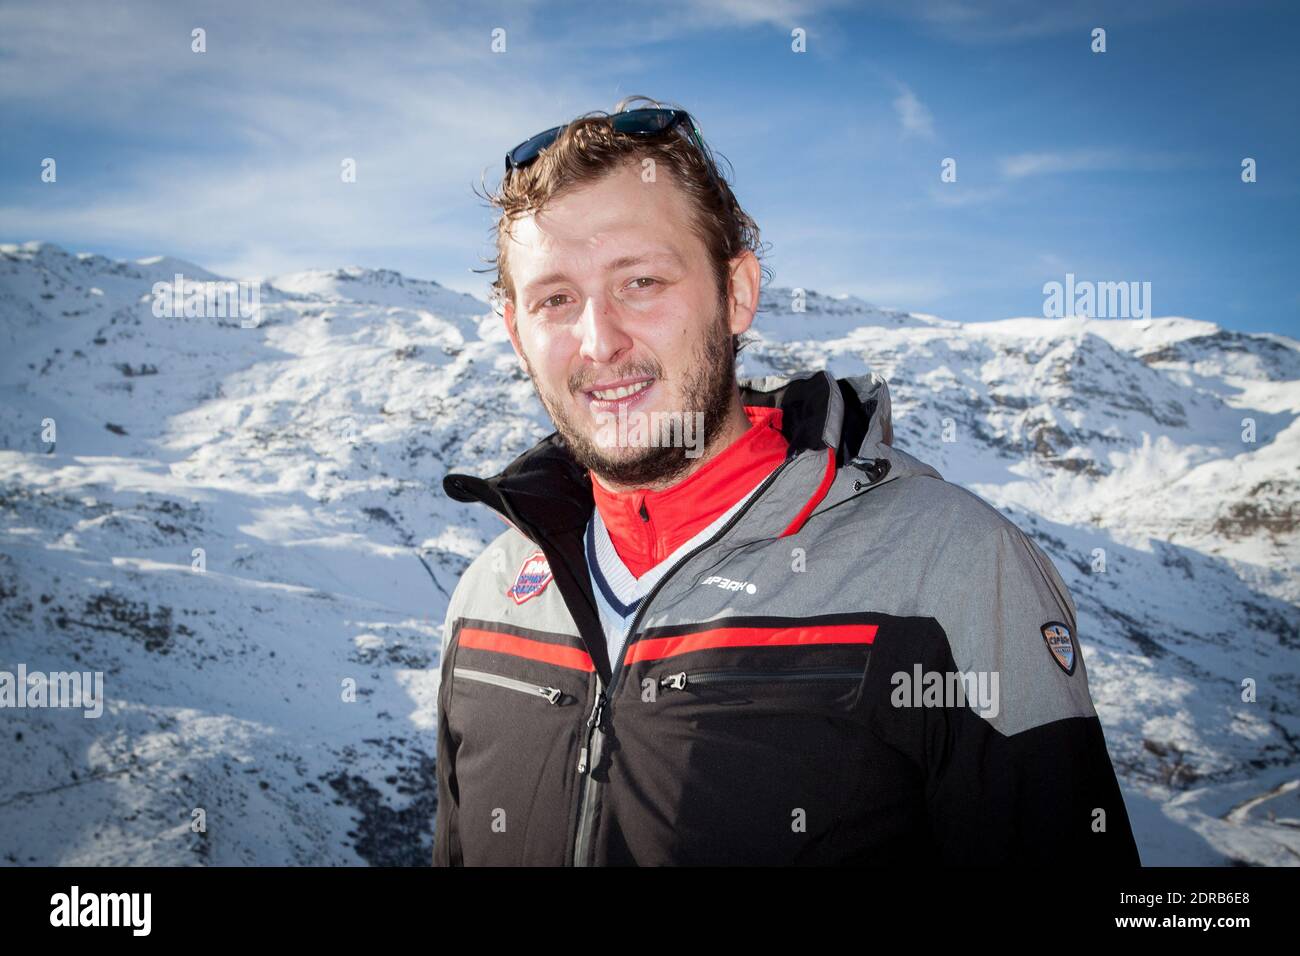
[617, 315]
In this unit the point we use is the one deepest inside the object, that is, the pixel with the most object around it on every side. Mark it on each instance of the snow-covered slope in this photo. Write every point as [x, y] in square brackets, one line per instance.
[304, 456]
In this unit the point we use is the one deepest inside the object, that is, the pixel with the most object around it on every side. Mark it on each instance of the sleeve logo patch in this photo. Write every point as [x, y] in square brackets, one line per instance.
[531, 579]
[1060, 643]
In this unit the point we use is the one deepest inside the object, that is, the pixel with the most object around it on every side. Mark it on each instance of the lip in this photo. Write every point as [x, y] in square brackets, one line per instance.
[599, 405]
[619, 383]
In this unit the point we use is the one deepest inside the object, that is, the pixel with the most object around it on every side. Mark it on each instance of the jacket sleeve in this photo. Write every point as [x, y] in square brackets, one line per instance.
[446, 836]
[1020, 774]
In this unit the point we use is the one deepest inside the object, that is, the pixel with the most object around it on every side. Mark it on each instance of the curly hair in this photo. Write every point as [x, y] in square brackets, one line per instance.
[587, 149]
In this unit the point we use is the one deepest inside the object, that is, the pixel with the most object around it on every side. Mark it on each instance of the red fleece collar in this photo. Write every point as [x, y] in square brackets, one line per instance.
[647, 526]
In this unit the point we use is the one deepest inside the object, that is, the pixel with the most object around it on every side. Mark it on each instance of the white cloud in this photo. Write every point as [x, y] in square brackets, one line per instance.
[238, 150]
[1021, 165]
[913, 114]
[688, 15]
[1002, 21]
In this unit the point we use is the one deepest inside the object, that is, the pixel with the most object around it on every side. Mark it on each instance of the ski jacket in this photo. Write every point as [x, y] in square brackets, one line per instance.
[866, 665]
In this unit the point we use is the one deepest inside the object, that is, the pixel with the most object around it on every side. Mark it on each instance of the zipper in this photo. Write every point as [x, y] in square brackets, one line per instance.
[552, 695]
[595, 736]
[682, 679]
[593, 745]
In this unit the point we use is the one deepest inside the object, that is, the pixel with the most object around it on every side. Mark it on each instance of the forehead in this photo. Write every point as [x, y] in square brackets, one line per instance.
[594, 224]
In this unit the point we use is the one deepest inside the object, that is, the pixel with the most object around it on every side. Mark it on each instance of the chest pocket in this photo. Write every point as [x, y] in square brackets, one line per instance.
[552, 695]
[733, 686]
[752, 738]
[515, 710]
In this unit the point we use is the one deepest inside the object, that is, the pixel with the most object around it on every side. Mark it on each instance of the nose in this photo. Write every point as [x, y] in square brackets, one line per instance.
[604, 339]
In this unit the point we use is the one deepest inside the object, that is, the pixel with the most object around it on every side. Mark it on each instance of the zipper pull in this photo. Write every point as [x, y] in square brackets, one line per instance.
[675, 681]
[552, 694]
[592, 721]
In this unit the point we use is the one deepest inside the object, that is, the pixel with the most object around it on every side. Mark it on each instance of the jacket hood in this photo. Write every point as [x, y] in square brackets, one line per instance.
[840, 436]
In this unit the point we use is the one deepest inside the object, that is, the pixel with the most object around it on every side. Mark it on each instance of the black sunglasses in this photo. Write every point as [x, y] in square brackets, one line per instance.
[643, 122]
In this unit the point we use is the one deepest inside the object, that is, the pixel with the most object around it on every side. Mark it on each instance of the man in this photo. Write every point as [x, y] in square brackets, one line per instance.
[782, 642]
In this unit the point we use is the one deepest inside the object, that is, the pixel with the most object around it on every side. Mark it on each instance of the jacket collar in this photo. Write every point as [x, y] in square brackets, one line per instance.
[646, 526]
[828, 423]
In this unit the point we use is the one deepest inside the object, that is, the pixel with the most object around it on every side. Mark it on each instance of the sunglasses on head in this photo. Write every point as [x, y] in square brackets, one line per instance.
[643, 122]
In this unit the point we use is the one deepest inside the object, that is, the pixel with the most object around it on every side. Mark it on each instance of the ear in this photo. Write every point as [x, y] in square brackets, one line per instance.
[743, 287]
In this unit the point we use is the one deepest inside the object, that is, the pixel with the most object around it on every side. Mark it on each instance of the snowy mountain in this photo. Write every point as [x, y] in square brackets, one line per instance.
[279, 680]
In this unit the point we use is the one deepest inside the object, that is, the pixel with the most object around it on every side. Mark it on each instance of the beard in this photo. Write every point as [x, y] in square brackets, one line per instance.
[708, 385]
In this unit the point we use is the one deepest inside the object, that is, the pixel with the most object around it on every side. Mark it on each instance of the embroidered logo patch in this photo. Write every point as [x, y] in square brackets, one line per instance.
[1060, 643]
[531, 579]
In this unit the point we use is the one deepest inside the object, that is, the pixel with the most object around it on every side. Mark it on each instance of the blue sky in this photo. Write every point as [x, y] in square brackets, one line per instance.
[1122, 166]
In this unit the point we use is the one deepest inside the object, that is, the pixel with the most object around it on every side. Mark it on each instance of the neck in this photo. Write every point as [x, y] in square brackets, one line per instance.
[646, 525]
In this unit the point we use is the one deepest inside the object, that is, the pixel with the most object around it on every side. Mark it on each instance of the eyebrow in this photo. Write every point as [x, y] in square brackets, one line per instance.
[622, 262]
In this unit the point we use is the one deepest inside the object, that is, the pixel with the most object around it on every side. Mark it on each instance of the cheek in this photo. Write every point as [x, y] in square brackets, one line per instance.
[551, 352]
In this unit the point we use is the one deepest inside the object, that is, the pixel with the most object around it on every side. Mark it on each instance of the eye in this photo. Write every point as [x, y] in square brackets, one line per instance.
[645, 279]
[557, 295]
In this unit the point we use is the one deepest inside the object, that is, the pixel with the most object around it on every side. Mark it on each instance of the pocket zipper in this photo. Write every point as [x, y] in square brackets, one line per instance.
[680, 680]
[553, 695]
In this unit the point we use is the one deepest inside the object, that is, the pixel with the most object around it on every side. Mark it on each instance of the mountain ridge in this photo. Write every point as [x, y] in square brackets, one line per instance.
[304, 456]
